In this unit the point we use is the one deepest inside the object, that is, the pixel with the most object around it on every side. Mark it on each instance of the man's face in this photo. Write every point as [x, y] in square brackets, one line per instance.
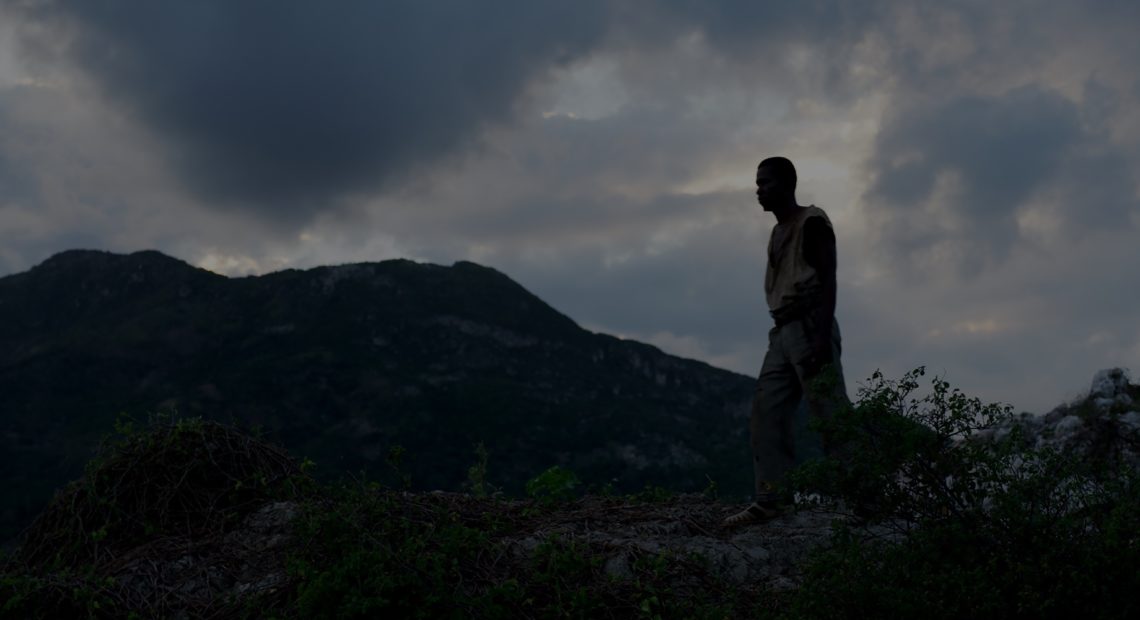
[769, 189]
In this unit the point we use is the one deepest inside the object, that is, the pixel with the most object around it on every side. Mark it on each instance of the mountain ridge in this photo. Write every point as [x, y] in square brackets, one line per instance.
[342, 364]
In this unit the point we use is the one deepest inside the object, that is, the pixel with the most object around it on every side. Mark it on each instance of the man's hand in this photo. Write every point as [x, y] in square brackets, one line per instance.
[819, 346]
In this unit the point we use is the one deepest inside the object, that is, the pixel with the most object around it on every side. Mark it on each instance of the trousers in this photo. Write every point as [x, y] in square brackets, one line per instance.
[785, 384]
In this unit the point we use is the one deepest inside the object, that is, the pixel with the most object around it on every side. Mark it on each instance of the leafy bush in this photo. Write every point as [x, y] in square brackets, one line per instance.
[965, 526]
[174, 473]
[477, 473]
[556, 484]
[371, 554]
[652, 494]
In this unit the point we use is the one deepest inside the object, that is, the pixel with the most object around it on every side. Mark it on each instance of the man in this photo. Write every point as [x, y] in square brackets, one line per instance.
[804, 345]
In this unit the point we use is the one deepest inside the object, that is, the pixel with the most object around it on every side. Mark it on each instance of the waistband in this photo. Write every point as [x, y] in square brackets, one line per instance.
[794, 311]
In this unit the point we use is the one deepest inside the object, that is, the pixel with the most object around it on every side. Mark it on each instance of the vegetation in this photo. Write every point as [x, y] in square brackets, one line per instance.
[999, 526]
[937, 520]
[141, 534]
[373, 552]
[177, 487]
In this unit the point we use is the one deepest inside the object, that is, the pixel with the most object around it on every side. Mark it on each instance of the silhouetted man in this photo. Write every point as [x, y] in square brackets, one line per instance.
[804, 345]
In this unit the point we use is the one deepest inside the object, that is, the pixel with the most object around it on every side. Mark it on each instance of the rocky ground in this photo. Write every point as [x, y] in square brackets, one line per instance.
[250, 559]
[1104, 423]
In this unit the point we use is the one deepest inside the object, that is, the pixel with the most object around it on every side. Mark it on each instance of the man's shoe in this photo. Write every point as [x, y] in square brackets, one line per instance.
[753, 514]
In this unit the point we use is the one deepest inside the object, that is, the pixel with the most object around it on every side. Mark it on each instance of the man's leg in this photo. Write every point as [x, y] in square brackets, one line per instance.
[778, 394]
[784, 379]
[774, 405]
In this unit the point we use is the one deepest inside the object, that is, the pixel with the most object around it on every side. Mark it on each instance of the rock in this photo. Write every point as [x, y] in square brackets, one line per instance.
[246, 561]
[617, 566]
[687, 528]
[1068, 425]
[1109, 384]
[1096, 426]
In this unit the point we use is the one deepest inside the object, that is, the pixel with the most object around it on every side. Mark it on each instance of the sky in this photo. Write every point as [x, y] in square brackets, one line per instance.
[979, 160]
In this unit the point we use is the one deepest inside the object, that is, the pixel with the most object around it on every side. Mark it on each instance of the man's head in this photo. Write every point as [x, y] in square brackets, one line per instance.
[776, 183]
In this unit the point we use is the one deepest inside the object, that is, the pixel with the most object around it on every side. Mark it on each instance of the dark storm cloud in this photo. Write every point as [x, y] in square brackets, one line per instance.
[1002, 147]
[993, 156]
[281, 105]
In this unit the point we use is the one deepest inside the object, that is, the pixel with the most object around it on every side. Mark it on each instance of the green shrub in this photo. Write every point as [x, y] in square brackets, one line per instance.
[556, 484]
[965, 526]
[373, 555]
[652, 494]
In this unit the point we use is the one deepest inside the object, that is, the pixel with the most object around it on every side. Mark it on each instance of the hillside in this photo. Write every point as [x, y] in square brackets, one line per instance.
[188, 518]
[342, 364]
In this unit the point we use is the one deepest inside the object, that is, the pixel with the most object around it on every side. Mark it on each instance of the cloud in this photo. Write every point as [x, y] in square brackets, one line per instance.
[28, 186]
[953, 175]
[15, 176]
[74, 175]
[806, 37]
[284, 107]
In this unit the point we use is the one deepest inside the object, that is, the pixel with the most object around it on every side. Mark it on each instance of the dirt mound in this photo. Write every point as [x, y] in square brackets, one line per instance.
[150, 506]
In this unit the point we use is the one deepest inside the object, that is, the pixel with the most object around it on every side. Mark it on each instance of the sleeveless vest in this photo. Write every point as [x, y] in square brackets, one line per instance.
[790, 283]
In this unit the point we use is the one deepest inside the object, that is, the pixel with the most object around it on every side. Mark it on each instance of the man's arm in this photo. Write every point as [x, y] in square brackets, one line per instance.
[819, 252]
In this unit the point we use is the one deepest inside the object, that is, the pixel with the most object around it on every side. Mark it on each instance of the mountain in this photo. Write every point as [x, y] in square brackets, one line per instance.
[341, 365]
